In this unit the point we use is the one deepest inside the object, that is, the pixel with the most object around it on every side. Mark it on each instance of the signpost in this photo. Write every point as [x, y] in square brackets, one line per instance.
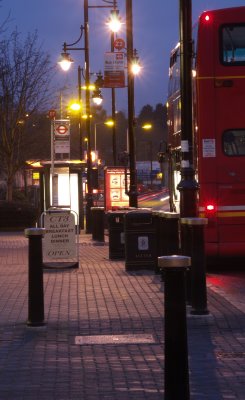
[114, 70]
[119, 44]
[62, 137]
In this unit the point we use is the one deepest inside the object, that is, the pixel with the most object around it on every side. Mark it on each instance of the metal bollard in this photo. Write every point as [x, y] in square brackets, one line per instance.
[98, 223]
[171, 233]
[176, 371]
[168, 231]
[35, 284]
[185, 234]
[196, 227]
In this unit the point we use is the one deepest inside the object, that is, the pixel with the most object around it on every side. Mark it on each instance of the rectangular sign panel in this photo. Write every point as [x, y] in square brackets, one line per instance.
[60, 236]
[62, 137]
[114, 70]
[115, 189]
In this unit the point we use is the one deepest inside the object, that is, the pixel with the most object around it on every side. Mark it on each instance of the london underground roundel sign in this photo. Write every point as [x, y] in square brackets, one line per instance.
[61, 128]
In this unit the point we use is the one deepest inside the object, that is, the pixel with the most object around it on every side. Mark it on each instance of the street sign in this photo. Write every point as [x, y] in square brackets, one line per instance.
[62, 127]
[114, 70]
[61, 141]
[119, 44]
[52, 114]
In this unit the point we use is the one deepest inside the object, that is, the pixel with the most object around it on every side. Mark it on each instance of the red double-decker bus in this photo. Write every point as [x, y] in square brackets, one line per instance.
[218, 126]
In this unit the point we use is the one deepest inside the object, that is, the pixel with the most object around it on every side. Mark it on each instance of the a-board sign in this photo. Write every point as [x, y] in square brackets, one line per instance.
[60, 235]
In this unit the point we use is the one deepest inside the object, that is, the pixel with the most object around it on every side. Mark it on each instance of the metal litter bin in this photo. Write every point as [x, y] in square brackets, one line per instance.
[116, 234]
[98, 223]
[140, 240]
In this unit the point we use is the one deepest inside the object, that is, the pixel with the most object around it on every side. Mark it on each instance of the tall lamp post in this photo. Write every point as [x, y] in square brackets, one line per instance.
[67, 59]
[114, 25]
[133, 195]
[148, 127]
[188, 186]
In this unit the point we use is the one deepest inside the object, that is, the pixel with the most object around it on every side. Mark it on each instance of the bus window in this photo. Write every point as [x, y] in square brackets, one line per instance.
[233, 44]
[234, 142]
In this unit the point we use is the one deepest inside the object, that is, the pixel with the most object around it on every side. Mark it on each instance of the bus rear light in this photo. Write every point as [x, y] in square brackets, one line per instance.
[207, 17]
[210, 209]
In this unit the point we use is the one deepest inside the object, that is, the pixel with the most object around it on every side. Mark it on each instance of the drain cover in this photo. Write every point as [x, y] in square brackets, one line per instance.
[114, 339]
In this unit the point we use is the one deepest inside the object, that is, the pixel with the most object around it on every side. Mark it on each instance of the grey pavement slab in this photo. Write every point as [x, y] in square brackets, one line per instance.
[102, 303]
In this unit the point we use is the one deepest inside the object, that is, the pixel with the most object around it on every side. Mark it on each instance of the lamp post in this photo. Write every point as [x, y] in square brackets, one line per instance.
[188, 186]
[109, 123]
[133, 195]
[148, 127]
[114, 25]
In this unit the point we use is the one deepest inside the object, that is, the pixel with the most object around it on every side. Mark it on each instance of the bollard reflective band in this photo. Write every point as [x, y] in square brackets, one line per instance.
[174, 261]
[34, 232]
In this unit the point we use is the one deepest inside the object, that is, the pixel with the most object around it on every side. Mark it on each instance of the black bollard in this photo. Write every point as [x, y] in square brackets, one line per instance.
[35, 299]
[98, 214]
[171, 233]
[176, 371]
[198, 269]
[168, 223]
[186, 250]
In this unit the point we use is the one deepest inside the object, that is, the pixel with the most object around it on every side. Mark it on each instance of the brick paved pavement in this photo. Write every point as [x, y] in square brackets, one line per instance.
[97, 299]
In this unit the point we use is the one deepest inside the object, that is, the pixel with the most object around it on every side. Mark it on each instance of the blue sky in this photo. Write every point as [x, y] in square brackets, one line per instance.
[156, 24]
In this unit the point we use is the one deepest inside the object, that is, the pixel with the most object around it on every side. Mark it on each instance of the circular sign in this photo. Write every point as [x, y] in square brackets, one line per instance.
[52, 114]
[61, 129]
[119, 44]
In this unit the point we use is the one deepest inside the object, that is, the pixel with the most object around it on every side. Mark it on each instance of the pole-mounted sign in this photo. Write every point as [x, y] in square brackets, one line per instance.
[62, 137]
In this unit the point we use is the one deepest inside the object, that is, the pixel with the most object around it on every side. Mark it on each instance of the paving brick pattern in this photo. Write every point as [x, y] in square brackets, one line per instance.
[101, 298]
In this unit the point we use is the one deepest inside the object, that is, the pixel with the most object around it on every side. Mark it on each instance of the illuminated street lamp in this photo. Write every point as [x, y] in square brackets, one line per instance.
[110, 123]
[188, 186]
[147, 127]
[114, 25]
[67, 63]
[133, 194]
[97, 97]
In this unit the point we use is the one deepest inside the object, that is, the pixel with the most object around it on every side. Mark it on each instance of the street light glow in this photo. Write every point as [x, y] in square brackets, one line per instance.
[110, 122]
[147, 126]
[114, 22]
[75, 106]
[65, 61]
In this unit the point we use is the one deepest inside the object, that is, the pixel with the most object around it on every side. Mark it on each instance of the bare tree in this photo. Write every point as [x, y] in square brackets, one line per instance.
[25, 74]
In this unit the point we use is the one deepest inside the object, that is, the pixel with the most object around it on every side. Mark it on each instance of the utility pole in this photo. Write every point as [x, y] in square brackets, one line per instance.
[89, 194]
[188, 186]
[133, 195]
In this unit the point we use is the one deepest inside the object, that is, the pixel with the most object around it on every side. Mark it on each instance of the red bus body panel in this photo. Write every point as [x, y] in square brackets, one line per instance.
[219, 101]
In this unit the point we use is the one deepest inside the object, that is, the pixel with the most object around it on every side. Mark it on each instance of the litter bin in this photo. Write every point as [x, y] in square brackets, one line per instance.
[98, 223]
[116, 234]
[140, 240]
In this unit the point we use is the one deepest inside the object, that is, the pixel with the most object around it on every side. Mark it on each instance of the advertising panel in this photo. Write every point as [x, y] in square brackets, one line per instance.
[115, 187]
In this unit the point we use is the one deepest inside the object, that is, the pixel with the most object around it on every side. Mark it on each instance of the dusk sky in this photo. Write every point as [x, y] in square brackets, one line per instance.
[156, 26]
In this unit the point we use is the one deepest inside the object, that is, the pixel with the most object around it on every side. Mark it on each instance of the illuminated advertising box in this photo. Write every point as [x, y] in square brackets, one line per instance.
[116, 179]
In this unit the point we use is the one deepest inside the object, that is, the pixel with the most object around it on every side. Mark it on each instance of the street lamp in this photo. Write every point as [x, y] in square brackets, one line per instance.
[109, 123]
[133, 195]
[114, 24]
[67, 61]
[147, 127]
[188, 186]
